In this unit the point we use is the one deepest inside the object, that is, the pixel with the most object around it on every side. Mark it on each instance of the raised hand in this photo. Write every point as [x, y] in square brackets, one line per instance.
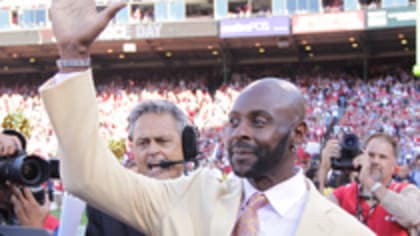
[77, 23]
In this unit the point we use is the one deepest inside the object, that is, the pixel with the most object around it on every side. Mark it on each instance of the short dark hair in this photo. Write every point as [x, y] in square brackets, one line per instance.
[388, 138]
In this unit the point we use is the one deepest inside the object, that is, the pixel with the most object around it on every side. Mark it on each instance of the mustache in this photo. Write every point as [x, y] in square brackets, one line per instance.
[243, 145]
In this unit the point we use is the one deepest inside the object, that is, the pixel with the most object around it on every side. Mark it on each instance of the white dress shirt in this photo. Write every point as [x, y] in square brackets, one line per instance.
[286, 201]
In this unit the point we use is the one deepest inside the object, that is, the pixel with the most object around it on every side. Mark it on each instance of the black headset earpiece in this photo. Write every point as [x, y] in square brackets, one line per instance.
[189, 149]
[189, 143]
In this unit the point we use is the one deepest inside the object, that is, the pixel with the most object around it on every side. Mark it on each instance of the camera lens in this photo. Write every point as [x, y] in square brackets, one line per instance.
[30, 170]
[350, 141]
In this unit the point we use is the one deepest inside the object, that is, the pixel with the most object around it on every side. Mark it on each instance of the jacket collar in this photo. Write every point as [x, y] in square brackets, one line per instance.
[313, 219]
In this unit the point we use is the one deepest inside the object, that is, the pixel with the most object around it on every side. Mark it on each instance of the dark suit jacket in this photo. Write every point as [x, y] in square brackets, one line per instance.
[101, 224]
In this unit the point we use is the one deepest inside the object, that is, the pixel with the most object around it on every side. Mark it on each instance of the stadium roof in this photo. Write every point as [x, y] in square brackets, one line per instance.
[209, 51]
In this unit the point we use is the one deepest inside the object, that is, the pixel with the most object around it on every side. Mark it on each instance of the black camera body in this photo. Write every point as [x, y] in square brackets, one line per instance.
[350, 148]
[23, 169]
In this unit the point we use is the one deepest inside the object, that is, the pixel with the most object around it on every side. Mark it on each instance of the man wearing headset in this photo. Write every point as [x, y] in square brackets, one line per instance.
[155, 133]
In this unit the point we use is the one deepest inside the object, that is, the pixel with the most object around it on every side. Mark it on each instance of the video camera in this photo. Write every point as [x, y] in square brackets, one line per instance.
[26, 170]
[350, 148]
[21, 169]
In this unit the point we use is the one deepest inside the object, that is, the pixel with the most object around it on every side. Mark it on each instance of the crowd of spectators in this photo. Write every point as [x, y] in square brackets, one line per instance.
[388, 102]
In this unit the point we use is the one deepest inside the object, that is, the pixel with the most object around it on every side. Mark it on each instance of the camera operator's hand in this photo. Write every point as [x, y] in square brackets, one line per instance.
[76, 24]
[367, 176]
[9, 144]
[331, 150]
[28, 211]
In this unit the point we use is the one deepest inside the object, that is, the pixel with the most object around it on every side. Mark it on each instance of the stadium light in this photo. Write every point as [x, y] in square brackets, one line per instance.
[308, 48]
[261, 50]
[129, 47]
[168, 54]
[121, 56]
[404, 42]
[32, 60]
[215, 53]
[354, 45]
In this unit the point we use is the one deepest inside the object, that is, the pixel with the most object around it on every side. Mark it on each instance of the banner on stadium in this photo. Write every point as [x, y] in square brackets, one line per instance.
[159, 30]
[391, 17]
[12, 38]
[187, 29]
[255, 27]
[329, 22]
[148, 31]
[131, 31]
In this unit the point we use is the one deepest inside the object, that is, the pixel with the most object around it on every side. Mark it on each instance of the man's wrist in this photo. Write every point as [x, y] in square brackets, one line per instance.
[73, 51]
[70, 52]
[375, 187]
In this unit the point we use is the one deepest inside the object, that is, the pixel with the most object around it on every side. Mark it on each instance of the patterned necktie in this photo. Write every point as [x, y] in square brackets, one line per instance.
[247, 224]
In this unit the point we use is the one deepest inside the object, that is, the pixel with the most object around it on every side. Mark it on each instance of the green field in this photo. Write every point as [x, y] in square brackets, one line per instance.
[83, 221]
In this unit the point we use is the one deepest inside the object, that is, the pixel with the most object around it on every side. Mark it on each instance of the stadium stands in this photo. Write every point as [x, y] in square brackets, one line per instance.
[388, 102]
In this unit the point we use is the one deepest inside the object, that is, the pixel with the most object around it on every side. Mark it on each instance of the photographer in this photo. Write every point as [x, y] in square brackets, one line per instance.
[18, 205]
[386, 207]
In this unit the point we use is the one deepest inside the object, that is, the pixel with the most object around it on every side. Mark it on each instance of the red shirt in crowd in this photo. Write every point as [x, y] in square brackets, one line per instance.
[51, 223]
[376, 218]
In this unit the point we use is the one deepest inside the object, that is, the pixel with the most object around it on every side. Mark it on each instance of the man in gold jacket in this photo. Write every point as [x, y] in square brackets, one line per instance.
[267, 196]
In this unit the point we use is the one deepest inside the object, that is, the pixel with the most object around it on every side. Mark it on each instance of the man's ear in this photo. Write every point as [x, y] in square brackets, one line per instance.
[130, 144]
[300, 133]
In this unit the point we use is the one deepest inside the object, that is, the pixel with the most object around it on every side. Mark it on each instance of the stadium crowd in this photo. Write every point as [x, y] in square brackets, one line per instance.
[388, 102]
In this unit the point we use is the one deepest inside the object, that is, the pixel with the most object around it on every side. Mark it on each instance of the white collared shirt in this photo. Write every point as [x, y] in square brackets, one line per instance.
[281, 216]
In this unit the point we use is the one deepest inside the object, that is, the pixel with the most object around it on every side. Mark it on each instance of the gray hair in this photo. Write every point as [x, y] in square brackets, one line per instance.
[156, 107]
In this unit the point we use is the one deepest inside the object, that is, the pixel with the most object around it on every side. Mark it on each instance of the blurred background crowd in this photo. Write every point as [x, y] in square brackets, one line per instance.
[388, 102]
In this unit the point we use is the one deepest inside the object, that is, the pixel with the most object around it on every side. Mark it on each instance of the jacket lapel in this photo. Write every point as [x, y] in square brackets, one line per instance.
[313, 221]
[226, 208]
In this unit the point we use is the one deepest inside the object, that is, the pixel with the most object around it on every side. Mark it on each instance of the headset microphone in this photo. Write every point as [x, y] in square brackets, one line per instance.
[189, 149]
[165, 164]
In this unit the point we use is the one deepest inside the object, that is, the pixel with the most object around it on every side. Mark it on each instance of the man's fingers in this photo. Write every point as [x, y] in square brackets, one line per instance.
[112, 10]
[17, 206]
[104, 17]
[335, 154]
[17, 193]
[46, 204]
[19, 210]
[29, 196]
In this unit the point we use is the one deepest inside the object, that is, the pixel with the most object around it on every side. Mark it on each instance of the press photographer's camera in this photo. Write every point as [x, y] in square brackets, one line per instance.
[23, 169]
[350, 148]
